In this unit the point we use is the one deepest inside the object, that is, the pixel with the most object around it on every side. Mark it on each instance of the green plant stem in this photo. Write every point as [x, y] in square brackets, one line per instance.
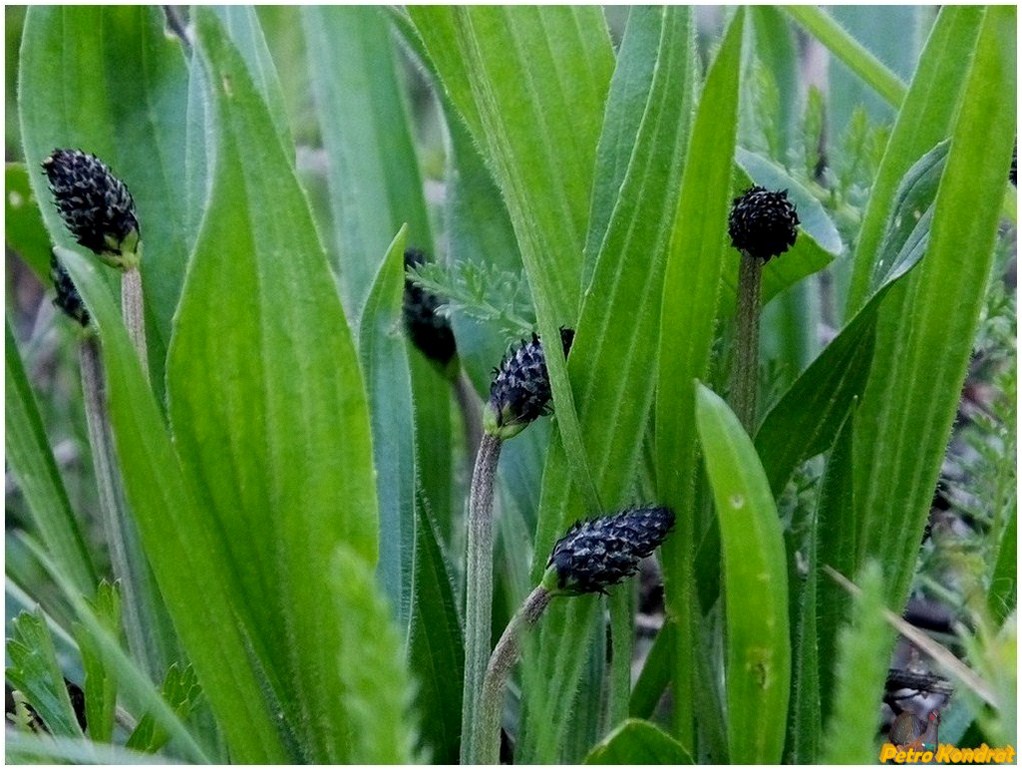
[745, 380]
[134, 314]
[471, 412]
[146, 625]
[505, 655]
[850, 51]
[478, 590]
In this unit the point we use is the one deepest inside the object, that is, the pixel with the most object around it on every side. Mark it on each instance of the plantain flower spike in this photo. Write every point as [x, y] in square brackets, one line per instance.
[599, 553]
[429, 331]
[95, 206]
[67, 298]
[762, 223]
[520, 392]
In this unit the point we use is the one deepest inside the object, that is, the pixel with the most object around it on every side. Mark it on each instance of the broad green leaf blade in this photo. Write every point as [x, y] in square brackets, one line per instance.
[100, 683]
[373, 173]
[636, 742]
[803, 422]
[927, 325]
[776, 47]
[436, 648]
[382, 353]
[861, 667]
[922, 122]
[24, 231]
[531, 83]
[611, 360]
[35, 672]
[110, 81]
[755, 586]
[695, 265]
[33, 466]
[185, 554]
[268, 404]
[375, 686]
[242, 24]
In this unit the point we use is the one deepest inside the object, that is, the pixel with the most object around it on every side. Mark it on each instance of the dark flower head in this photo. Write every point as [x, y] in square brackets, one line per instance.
[429, 331]
[520, 392]
[67, 298]
[95, 206]
[762, 223]
[599, 553]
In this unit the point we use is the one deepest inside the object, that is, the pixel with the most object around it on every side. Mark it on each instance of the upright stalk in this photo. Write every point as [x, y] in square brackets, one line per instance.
[146, 623]
[505, 655]
[134, 314]
[745, 380]
[478, 589]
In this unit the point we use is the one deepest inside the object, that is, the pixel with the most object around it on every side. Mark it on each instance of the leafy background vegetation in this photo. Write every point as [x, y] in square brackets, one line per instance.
[290, 479]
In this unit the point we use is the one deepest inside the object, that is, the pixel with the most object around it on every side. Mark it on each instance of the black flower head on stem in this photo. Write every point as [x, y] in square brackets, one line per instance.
[95, 205]
[67, 298]
[520, 391]
[762, 223]
[599, 553]
[429, 331]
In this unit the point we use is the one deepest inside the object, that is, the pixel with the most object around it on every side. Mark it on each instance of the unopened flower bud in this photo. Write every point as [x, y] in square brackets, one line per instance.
[429, 331]
[95, 206]
[67, 298]
[762, 223]
[520, 392]
[599, 553]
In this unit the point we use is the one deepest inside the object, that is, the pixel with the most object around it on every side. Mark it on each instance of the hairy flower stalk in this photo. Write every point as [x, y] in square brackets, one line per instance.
[762, 226]
[98, 210]
[591, 557]
[520, 393]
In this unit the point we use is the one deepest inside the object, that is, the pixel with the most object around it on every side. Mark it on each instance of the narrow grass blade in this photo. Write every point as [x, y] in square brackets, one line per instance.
[755, 586]
[118, 89]
[31, 460]
[531, 84]
[923, 121]
[382, 353]
[26, 748]
[436, 649]
[611, 359]
[656, 674]
[927, 325]
[695, 265]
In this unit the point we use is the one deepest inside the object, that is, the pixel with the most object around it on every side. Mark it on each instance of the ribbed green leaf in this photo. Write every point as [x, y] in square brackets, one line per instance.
[695, 265]
[382, 352]
[923, 120]
[927, 326]
[635, 742]
[755, 586]
[610, 359]
[268, 405]
[530, 83]
[185, 553]
[373, 172]
[24, 231]
[31, 460]
[436, 648]
[111, 81]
